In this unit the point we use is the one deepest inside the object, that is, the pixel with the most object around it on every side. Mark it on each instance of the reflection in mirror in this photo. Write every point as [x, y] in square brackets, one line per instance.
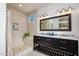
[56, 23]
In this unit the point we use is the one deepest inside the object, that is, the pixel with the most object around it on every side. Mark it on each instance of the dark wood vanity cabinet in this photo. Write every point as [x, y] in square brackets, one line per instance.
[56, 46]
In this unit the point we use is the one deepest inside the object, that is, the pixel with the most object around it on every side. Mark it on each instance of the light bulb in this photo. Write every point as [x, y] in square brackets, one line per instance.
[70, 8]
[63, 10]
[57, 12]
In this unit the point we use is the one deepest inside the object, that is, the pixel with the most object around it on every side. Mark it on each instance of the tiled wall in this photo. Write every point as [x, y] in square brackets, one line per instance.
[15, 40]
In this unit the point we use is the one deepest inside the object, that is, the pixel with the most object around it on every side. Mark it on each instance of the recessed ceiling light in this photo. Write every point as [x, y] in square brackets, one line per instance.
[20, 5]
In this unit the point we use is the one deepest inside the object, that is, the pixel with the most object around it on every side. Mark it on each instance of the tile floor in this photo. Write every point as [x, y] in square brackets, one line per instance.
[30, 52]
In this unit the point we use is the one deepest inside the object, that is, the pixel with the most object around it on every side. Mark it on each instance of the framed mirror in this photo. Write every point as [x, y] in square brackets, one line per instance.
[57, 23]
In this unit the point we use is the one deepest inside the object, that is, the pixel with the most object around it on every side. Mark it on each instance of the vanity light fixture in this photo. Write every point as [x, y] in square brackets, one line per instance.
[46, 14]
[43, 15]
[58, 12]
[39, 16]
[70, 8]
[20, 5]
[63, 10]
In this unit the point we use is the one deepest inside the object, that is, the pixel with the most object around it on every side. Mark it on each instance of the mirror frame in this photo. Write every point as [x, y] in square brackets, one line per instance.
[69, 23]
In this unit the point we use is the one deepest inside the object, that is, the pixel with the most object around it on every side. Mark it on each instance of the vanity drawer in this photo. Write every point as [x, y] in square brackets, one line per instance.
[65, 42]
[39, 39]
[66, 49]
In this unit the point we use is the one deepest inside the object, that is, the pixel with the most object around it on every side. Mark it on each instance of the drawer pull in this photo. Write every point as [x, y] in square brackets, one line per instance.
[62, 42]
[63, 48]
[36, 45]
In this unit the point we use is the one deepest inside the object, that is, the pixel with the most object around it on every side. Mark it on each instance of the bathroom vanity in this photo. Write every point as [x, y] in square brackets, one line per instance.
[56, 45]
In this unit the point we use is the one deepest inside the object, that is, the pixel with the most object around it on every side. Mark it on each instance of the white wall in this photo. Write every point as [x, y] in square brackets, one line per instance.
[51, 11]
[21, 19]
[32, 25]
[2, 29]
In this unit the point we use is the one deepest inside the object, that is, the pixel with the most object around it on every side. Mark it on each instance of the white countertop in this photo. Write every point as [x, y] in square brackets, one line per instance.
[63, 37]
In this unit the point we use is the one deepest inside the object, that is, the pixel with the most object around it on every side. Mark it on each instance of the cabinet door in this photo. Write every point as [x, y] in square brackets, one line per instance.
[68, 45]
[36, 39]
[55, 43]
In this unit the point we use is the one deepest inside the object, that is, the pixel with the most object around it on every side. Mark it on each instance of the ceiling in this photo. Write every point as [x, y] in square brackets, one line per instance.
[26, 7]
